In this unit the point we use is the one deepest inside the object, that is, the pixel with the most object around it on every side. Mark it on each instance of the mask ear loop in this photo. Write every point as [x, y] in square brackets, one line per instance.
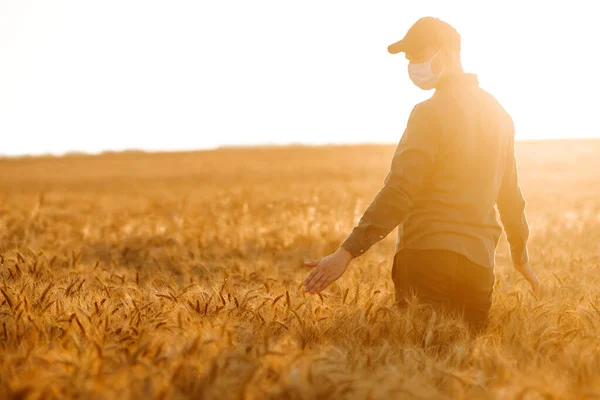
[439, 74]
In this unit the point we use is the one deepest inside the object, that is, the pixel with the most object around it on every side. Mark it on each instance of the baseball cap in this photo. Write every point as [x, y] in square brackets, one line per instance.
[427, 31]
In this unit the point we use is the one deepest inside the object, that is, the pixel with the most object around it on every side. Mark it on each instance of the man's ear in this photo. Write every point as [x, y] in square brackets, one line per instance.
[446, 56]
[442, 60]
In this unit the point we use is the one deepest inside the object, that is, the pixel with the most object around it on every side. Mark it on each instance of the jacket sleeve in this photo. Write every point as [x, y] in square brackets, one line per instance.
[411, 166]
[511, 206]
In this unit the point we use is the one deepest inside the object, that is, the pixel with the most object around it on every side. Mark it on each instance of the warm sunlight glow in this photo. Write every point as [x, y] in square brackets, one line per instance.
[315, 199]
[93, 76]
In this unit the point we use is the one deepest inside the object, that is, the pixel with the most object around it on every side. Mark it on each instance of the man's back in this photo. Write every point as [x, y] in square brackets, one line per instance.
[474, 139]
[455, 161]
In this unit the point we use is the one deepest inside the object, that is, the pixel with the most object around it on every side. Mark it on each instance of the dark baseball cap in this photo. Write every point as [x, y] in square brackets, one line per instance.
[427, 31]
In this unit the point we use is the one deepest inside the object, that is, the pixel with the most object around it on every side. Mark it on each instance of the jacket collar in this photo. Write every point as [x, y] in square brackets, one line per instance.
[451, 81]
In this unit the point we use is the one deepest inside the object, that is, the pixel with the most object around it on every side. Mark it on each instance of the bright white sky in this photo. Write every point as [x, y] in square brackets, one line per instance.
[85, 75]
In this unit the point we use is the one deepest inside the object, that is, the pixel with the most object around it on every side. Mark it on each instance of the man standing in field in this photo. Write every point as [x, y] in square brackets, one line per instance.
[454, 163]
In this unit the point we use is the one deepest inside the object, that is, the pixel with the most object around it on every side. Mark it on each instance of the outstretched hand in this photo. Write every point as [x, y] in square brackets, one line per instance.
[327, 270]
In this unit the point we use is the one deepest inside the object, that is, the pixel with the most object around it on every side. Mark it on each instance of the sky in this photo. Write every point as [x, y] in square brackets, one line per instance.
[91, 76]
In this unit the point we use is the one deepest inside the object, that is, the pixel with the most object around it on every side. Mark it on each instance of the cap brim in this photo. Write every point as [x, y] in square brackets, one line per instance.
[397, 47]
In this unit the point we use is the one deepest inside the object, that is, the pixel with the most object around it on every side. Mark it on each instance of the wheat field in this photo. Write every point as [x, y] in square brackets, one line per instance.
[175, 276]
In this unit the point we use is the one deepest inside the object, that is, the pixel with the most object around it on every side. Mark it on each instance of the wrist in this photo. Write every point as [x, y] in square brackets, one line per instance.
[345, 254]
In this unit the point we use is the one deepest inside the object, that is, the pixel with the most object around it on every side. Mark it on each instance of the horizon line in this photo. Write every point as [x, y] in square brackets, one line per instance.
[75, 153]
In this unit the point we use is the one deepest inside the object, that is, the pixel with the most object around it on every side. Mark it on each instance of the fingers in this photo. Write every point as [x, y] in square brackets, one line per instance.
[320, 284]
[314, 281]
[536, 287]
[311, 263]
[535, 290]
[310, 277]
[533, 281]
[529, 274]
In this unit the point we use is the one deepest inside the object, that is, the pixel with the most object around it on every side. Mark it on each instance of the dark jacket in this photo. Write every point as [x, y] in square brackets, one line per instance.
[454, 163]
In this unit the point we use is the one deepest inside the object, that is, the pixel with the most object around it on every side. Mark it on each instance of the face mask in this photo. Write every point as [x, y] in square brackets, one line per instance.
[422, 76]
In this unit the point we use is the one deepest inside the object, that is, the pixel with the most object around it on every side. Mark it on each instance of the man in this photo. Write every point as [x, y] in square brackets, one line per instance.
[454, 163]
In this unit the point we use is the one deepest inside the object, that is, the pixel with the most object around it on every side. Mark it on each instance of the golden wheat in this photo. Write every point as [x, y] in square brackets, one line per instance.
[172, 276]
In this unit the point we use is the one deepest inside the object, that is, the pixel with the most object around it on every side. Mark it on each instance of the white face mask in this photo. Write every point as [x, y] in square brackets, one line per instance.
[422, 76]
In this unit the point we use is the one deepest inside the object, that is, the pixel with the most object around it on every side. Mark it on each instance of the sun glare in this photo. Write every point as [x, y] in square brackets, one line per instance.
[86, 76]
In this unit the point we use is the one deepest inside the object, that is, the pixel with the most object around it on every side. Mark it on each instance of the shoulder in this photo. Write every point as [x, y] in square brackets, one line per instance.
[496, 107]
[424, 112]
[425, 108]
[423, 127]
